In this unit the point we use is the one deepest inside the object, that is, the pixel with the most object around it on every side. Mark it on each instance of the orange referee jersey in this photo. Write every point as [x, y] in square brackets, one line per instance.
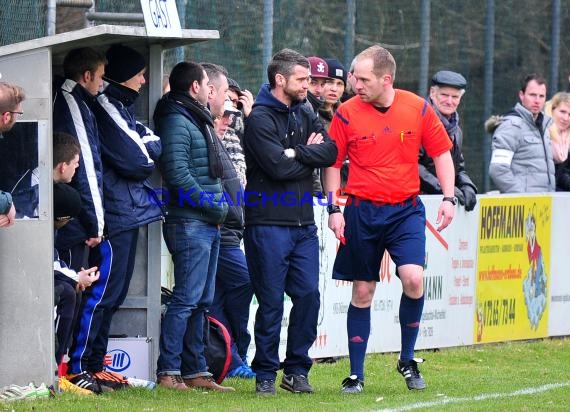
[383, 148]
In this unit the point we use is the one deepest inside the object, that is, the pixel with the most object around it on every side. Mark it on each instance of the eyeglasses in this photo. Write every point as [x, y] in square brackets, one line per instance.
[9, 111]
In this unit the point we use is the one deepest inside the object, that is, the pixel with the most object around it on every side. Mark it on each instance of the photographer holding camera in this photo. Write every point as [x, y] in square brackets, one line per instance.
[243, 101]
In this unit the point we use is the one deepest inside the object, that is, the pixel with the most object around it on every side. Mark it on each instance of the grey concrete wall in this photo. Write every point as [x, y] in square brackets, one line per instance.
[26, 249]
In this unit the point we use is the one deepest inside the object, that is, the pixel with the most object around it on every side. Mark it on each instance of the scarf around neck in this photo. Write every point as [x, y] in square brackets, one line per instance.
[206, 125]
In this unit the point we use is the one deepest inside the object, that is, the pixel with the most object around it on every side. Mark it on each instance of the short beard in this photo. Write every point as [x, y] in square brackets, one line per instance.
[293, 96]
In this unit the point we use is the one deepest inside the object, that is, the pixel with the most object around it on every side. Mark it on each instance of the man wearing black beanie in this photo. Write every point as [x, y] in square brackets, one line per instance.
[128, 151]
[123, 64]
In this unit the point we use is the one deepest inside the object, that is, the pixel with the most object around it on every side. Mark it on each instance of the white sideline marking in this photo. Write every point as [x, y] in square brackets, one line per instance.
[485, 396]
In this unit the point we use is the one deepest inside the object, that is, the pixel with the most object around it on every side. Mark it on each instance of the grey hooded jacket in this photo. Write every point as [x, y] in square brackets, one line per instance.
[521, 160]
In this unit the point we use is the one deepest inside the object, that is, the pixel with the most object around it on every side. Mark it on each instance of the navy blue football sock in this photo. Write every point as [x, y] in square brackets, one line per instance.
[358, 328]
[410, 316]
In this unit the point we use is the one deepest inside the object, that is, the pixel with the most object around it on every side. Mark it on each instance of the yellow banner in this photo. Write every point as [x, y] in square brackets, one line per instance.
[513, 263]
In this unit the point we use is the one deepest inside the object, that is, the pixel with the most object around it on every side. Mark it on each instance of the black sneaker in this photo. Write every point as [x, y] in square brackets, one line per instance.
[86, 381]
[352, 385]
[296, 384]
[410, 372]
[265, 387]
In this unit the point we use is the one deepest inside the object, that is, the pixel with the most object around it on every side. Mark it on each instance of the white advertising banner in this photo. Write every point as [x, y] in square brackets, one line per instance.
[449, 278]
[559, 294]
[451, 313]
[449, 291]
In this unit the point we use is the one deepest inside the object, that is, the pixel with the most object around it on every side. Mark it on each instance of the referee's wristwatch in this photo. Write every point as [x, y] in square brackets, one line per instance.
[451, 199]
[331, 209]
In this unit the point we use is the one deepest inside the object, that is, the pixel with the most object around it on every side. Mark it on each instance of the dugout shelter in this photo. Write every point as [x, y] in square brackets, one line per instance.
[26, 248]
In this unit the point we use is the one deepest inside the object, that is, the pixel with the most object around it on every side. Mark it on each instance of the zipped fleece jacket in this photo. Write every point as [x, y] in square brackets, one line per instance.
[278, 190]
[521, 161]
[128, 150]
[184, 165]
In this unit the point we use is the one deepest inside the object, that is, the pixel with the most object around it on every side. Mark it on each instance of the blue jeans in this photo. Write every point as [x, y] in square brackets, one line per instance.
[233, 299]
[194, 246]
[283, 259]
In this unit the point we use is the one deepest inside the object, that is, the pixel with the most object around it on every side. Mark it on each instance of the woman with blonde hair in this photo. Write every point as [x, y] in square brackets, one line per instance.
[560, 108]
[560, 138]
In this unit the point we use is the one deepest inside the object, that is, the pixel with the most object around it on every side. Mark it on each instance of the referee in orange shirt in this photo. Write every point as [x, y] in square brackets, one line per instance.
[381, 130]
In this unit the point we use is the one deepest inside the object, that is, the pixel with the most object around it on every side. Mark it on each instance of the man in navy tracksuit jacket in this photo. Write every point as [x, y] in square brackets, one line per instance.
[284, 142]
[72, 114]
[128, 151]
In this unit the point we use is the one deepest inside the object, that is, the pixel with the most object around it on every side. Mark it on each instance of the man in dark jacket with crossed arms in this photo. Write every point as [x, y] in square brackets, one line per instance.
[284, 142]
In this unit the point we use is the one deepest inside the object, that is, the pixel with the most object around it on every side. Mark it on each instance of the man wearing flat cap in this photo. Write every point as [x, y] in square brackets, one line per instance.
[444, 96]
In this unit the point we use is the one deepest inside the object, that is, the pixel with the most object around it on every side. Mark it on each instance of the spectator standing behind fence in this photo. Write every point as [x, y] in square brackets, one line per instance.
[316, 99]
[233, 291]
[319, 75]
[235, 296]
[560, 138]
[332, 91]
[128, 152]
[190, 167]
[381, 130]
[217, 95]
[521, 158]
[447, 89]
[232, 138]
[232, 298]
[11, 97]
[284, 142]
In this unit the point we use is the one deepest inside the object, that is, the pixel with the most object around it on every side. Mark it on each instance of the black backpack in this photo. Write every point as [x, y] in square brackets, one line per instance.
[217, 348]
[217, 341]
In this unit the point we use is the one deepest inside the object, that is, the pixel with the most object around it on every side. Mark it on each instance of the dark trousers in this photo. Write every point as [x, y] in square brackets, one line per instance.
[66, 310]
[232, 300]
[283, 259]
[116, 258]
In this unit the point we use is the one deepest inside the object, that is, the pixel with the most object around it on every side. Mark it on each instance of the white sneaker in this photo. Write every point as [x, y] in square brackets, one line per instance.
[16, 392]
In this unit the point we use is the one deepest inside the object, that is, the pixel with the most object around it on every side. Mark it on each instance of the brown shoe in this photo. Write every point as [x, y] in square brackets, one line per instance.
[172, 382]
[206, 382]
